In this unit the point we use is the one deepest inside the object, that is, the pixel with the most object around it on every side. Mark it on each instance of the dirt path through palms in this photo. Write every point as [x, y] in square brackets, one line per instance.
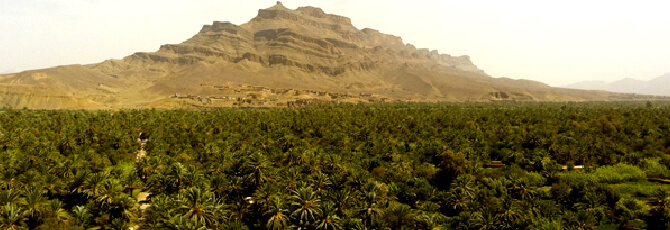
[143, 201]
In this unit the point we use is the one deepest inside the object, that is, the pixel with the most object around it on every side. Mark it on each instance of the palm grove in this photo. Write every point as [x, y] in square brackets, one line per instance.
[380, 166]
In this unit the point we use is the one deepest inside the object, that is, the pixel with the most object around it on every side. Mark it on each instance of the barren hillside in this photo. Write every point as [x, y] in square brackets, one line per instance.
[282, 57]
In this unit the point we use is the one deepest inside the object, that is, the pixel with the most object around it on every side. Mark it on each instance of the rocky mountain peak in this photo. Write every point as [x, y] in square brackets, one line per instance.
[279, 57]
[278, 6]
[306, 38]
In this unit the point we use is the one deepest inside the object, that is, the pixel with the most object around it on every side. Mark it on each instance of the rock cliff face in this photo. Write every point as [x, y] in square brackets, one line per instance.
[306, 38]
[301, 49]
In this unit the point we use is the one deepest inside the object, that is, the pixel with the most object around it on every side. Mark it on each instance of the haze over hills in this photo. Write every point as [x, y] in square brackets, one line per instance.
[657, 86]
[281, 57]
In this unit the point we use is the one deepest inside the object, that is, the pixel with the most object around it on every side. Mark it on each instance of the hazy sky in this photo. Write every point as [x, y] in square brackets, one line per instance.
[556, 42]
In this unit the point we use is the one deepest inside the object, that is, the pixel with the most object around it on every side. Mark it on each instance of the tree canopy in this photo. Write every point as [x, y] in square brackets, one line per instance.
[347, 166]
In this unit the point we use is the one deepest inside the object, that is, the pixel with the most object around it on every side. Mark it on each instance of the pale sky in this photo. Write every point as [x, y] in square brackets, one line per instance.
[556, 42]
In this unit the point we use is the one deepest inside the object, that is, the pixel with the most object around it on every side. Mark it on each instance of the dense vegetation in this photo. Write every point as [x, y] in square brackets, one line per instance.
[380, 166]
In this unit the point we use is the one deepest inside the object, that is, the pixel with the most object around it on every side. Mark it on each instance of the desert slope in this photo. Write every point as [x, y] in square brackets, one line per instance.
[282, 57]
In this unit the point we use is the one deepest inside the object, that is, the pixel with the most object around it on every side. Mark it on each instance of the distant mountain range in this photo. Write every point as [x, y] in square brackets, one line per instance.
[659, 86]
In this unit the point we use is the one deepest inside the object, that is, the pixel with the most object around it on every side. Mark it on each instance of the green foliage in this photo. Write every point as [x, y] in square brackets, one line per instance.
[610, 174]
[655, 169]
[659, 214]
[346, 166]
[639, 189]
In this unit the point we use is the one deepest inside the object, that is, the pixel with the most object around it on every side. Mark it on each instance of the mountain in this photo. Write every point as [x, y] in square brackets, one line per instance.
[282, 57]
[657, 86]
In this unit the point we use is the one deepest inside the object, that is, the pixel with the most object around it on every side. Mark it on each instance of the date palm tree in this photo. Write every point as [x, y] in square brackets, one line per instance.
[185, 223]
[256, 169]
[108, 193]
[584, 219]
[175, 175]
[427, 221]
[81, 215]
[200, 206]
[235, 188]
[276, 209]
[306, 203]
[328, 218]
[77, 182]
[398, 215]
[123, 206]
[161, 210]
[119, 224]
[193, 178]
[485, 220]
[465, 184]
[11, 218]
[30, 178]
[94, 183]
[458, 200]
[34, 203]
[369, 211]
[53, 183]
[54, 214]
[131, 181]
[218, 183]
[659, 214]
[343, 199]
[320, 181]
[264, 194]
[510, 213]
[9, 196]
[523, 191]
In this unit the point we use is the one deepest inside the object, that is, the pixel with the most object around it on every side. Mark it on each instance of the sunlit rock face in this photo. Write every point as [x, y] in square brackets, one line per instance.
[281, 48]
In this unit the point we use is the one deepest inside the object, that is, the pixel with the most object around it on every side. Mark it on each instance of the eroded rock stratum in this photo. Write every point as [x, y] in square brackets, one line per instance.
[282, 57]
